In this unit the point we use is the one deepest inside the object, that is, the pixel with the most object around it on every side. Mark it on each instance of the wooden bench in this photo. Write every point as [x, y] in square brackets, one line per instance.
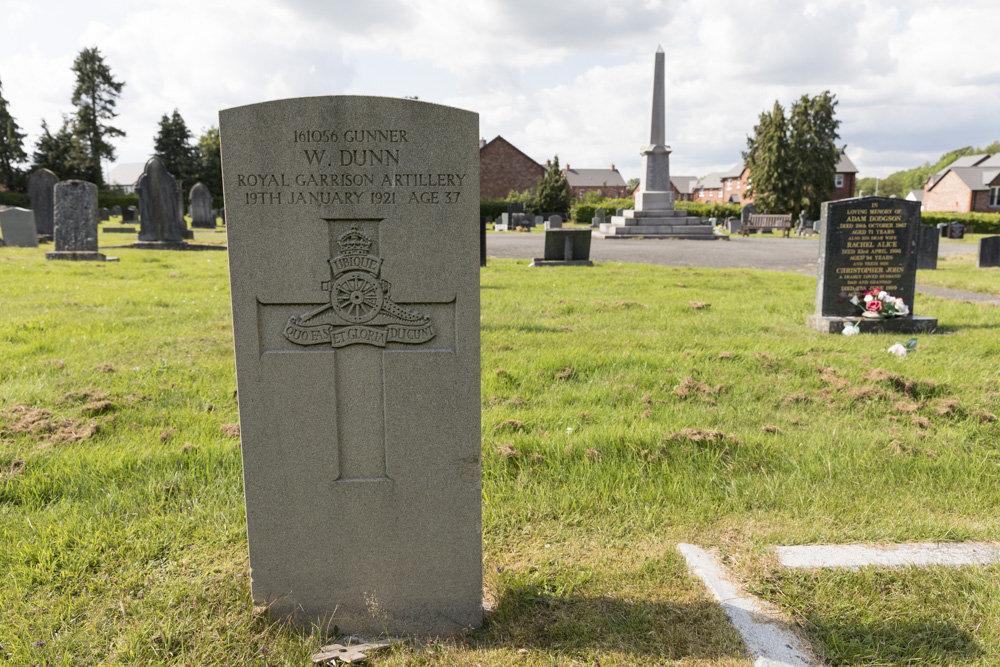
[767, 221]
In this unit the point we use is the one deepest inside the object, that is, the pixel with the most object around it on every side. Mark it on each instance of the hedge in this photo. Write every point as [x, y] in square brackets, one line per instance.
[585, 212]
[18, 199]
[709, 210]
[979, 223]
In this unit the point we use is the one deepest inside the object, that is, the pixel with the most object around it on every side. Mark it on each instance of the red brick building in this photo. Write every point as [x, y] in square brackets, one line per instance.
[730, 187]
[969, 184]
[503, 168]
[608, 182]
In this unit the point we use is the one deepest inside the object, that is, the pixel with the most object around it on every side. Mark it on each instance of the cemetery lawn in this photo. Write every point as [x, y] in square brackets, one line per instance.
[959, 271]
[626, 408]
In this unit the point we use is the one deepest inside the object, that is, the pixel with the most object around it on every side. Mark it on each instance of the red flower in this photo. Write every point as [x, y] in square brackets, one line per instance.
[874, 305]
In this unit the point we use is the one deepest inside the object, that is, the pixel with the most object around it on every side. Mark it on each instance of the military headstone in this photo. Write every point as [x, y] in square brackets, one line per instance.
[75, 222]
[201, 207]
[18, 229]
[40, 187]
[356, 321]
[867, 243]
[160, 225]
[989, 251]
[928, 242]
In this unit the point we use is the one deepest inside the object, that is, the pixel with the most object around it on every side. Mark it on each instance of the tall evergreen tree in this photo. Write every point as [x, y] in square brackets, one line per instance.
[11, 148]
[62, 152]
[793, 161]
[812, 137]
[553, 190]
[767, 158]
[95, 96]
[173, 145]
[209, 157]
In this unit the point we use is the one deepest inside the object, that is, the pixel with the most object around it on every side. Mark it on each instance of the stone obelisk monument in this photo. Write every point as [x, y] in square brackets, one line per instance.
[654, 215]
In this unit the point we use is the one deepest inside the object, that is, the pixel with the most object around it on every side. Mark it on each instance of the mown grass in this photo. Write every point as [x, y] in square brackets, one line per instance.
[625, 408]
[959, 271]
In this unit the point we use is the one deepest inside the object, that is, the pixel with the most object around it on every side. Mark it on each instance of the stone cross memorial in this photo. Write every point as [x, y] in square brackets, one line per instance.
[355, 291]
[867, 243]
[76, 222]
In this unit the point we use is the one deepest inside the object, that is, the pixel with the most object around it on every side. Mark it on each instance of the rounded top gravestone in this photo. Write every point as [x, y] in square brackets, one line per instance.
[158, 215]
[40, 187]
[201, 207]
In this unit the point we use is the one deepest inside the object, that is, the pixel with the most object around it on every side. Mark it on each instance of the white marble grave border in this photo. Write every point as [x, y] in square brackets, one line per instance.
[764, 629]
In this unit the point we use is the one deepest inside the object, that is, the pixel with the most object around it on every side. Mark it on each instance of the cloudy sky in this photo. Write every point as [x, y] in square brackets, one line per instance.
[914, 78]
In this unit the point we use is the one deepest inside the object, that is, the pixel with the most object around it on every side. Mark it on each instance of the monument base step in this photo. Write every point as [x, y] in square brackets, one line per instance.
[560, 262]
[80, 256]
[679, 236]
[633, 214]
[909, 324]
[655, 229]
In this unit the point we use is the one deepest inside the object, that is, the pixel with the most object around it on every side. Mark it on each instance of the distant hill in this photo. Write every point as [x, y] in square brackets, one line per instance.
[902, 182]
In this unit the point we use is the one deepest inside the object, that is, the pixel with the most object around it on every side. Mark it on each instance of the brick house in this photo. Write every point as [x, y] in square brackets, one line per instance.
[502, 168]
[736, 181]
[969, 184]
[608, 182]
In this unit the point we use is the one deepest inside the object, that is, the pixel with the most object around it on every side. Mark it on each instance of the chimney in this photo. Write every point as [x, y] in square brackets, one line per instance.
[612, 166]
[482, 142]
[567, 166]
[548, 163]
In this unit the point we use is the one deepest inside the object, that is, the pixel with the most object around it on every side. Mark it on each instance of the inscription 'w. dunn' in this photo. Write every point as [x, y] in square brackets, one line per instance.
[366, 156]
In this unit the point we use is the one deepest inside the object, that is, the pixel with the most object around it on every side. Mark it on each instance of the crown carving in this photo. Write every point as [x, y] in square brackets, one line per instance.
[354, 243]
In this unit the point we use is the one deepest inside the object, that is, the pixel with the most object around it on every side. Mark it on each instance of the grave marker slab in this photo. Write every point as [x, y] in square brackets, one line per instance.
[865, 243]
[159, 225]
[18, 229]
[356, 321]
[40, 187]
[928, 241]
[76, 222]
[989, 251]
[130, 214]
[554, 222]
[565, 247]
[202, 214]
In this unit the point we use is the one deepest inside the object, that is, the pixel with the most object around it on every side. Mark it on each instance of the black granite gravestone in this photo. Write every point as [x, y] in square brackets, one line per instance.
[989, 251]
[927, 247]
[565, 247]
[866, 243]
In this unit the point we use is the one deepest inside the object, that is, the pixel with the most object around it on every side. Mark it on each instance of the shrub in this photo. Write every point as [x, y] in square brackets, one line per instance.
[585, 212]
[18, 199]
[980, 223]
[709, 210]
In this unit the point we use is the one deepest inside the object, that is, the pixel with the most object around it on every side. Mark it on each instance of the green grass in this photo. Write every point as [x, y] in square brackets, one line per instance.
[959, 271]
[618, 419]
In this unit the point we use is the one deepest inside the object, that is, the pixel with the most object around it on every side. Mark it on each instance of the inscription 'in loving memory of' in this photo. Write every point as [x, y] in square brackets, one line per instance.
[355, 184]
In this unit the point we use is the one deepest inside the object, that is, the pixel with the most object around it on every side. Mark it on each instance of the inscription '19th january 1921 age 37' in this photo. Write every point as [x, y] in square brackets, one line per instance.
[351, 167]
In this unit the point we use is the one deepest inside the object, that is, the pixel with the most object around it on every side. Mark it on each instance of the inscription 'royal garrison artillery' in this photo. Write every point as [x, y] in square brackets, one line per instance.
[360, 309]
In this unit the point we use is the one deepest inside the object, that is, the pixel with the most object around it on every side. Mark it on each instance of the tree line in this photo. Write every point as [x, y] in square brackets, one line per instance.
[86, 136]
[901, 182]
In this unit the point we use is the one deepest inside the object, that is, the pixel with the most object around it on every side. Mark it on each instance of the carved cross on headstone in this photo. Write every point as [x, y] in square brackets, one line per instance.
[360, 323]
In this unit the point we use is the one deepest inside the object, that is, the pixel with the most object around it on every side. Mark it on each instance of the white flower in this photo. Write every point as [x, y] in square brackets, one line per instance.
[868, 297]
[898, 350]
[854, 299]
[851, 328]
[883, 294]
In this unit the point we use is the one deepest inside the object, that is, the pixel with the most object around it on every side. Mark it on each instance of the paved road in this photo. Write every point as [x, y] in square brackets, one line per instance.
[800, 255]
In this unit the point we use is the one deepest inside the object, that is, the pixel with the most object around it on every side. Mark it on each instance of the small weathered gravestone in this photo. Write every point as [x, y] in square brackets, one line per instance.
[734, 225]
[160, 226]
[745, 212]
[104, 214]
[539, 220]
[116, 211]
[867, 243]
[598, 219]
[201, 207]
[355, 292]
[565, 247]
[989, 251]
[956, 230]
[928, 242]
[554, 222]
[130, 214]
[18, 229]
[504, 224]
[40, 187]
[75, 222]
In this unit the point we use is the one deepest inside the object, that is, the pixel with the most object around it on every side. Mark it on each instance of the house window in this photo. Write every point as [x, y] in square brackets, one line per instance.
[701, 193]
[729, 184]
[995, 195]
[580, 194]
[838, 180]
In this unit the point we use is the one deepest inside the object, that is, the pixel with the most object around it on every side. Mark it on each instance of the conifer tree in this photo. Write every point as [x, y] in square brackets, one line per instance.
[173, 146]
[553, 190]
[95, 96]
[11, 148]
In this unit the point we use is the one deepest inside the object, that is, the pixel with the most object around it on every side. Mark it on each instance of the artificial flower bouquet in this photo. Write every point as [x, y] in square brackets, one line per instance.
[877, 302]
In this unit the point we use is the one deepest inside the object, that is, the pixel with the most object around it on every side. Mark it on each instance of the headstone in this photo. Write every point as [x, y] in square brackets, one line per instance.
[18, 228]
[989, 251]
[734, 225]
[40, 187]
[179, 207]
[222, 214]
[356, 322]
[927, 247]
[104, 214]
[866, 243]
[554, 222]
[943, 229]
[599, 218]
[565, 247]
[515, 207]
[619, 212]
[539, 220]
[159, 223]
[116, 210]
[130, 214]
[518, 220]
[75, 222]
[201, 207]
[746, 212]
[504, 224]
[956, 230]
[482, 241]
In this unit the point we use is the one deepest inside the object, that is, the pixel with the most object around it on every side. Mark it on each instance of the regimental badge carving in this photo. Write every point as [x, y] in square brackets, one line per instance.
[360, 309]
